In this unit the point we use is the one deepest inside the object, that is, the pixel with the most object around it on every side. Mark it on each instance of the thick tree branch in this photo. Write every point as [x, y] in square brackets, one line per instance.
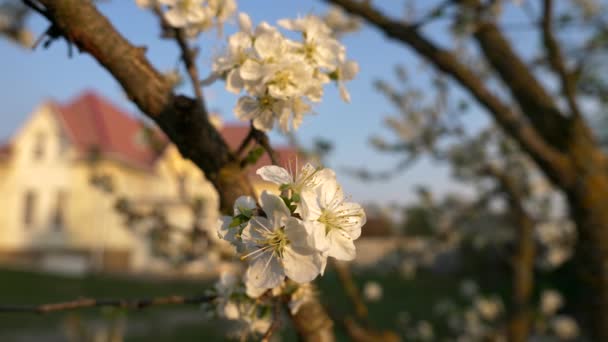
[536, 103]
[82, 303]
[550, 159]
[184, 120]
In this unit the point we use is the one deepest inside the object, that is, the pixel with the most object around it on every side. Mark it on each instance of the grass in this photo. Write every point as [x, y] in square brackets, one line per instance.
[182, 323]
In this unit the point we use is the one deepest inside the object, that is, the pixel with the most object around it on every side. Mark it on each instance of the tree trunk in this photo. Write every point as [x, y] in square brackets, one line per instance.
[523, 280]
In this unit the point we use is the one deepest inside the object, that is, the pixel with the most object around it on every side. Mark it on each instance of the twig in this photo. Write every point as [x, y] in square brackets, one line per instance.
[276, 323]
[556, 58]
[262, 139]
[187, 54]
[433, 13]
[133, 304]
[352, 292]
[245, 142]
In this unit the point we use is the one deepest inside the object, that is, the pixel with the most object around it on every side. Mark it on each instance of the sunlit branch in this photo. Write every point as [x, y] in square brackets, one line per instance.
[129, 304]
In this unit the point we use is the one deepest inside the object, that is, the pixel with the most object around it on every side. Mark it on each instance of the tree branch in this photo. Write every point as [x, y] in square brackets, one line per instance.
[551, 160]
[188, 54]
[183, 119]
[536, 103]
[520, 323]
[131, 304]
[556, 59]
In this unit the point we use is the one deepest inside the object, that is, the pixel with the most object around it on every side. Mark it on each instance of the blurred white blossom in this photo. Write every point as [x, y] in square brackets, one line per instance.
[372, 291]
[551, 301]
[565, 327]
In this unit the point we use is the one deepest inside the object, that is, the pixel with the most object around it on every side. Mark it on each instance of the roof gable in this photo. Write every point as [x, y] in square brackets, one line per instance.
[94, 124]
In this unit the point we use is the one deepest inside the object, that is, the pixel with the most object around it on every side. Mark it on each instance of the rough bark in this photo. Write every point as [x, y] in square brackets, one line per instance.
[182, 119]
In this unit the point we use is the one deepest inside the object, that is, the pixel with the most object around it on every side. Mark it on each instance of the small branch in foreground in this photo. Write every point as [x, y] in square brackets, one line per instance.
[245, 143]
[276, 323]
[351, 290]
[131, 304]
[262, 139]
[188, 54]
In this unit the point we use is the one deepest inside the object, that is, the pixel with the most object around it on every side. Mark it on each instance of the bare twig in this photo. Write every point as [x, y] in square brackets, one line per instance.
[434, 13]
[352, 292]
[131, 304]
[262, 139]
[188, 54]
[245, 143]
[556, 59]
[276, 323]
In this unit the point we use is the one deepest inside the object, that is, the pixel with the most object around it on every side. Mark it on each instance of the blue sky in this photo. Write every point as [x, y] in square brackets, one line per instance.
[29, 78]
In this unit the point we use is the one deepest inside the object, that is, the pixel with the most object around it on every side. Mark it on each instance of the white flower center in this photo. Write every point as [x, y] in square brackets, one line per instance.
[338, 219]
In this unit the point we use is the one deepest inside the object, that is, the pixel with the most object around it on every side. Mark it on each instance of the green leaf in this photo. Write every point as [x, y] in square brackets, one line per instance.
[254, 155]
[237, 221]
[295, 198]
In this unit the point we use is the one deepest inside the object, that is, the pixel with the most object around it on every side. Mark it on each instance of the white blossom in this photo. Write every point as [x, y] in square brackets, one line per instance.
[346, 71]
[339, 22]
[565, 327]
[488, 308]
[550, 302]
[229, 227]
[231, 302]
[281, 77]
[372, 291]
[277, 246]
[185, 12]
[335, 223]
[308, 178]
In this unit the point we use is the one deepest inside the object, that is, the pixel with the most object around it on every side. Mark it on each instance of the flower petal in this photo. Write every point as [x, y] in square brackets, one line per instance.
[275, 209]
[309, 207]
[234, 82]
[341, 246]
[274, 174]
[243, 204]
[301, 268]
[265, 271]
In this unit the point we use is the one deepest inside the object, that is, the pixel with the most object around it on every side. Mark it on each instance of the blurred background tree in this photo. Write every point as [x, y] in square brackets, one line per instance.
[536, 174]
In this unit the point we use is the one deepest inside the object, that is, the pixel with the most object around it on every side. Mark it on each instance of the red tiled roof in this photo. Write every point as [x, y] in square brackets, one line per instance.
[93, 123]
[5, 151]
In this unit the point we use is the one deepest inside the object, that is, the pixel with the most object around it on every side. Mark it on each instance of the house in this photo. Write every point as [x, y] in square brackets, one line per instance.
[54, 215]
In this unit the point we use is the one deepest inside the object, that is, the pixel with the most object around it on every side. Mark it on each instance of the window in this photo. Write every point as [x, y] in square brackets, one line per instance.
[58, 219]
[39, 145]
[29, 208]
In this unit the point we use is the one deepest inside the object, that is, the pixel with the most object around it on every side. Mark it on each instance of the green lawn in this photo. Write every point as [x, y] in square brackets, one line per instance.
[183, 323]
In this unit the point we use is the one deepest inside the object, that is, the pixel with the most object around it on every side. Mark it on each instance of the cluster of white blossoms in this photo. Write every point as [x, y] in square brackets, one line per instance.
[234, 302]
[292, 235]
[194, 16]
[282, 77]
[252, 308]
[551, 322]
